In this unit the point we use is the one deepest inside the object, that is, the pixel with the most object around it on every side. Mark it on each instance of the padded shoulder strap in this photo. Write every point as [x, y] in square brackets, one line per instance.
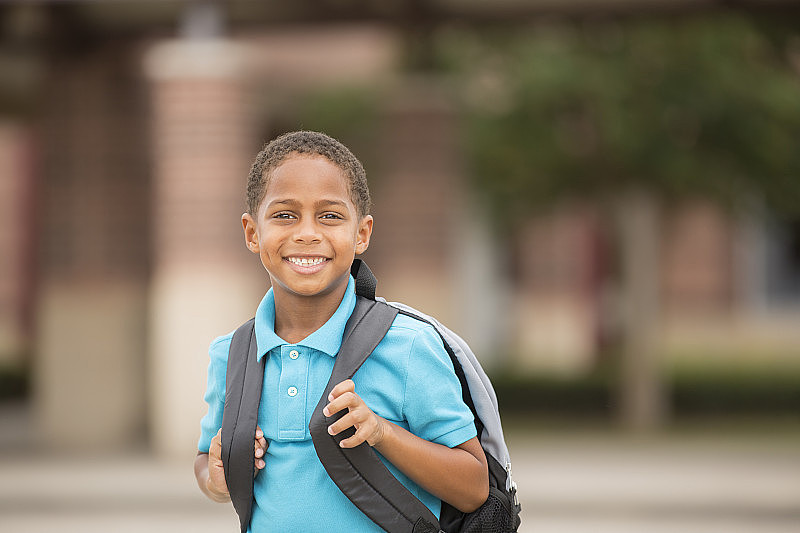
[239, 419]
[365, 279]
[358, 472]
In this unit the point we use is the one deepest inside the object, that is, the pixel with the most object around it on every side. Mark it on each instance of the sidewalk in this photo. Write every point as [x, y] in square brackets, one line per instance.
[569, 483]
[679, 483]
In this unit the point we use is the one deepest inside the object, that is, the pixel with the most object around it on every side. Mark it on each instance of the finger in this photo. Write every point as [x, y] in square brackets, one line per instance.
[346, 400]
[261, 440]
[356, 439]
[215, 449]
[258, 450]
[342, 387]
[348, 420]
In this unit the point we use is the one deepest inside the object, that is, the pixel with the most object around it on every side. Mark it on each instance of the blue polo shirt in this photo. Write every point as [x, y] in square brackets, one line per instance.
[408, 380]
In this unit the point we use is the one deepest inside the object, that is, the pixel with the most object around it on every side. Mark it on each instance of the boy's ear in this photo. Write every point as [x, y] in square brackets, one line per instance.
[364, 234]
[250, 234]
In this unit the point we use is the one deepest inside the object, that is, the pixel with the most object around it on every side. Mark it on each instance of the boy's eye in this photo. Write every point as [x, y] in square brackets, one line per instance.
[283, 215]
[331, 216]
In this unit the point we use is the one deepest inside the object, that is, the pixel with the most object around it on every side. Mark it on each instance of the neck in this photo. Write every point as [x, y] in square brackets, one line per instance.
[297, 317]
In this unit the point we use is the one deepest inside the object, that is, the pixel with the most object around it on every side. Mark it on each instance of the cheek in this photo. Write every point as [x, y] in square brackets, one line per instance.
[268, 246]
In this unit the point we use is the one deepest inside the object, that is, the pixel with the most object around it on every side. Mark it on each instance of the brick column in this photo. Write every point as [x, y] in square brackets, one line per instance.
[204, 281]
[16, 243]
[417, 200]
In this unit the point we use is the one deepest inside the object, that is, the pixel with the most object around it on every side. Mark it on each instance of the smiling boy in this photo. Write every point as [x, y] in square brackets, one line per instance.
[307, 219]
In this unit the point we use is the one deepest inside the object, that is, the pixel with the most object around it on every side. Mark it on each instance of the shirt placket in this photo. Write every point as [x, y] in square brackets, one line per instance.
[292, 393]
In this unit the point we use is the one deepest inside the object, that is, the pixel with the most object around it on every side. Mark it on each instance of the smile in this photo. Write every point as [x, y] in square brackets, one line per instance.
[306, 261]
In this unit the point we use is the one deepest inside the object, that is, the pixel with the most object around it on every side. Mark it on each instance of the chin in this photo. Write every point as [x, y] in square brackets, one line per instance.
[308, 288]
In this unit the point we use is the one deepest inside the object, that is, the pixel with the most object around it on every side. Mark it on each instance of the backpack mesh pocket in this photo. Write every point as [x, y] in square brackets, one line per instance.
[494, 516]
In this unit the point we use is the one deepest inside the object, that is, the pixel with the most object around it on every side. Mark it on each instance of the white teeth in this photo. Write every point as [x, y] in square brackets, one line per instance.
[306, 261]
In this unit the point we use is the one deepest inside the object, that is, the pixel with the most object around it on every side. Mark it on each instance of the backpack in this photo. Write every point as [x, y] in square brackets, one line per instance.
[358, 472]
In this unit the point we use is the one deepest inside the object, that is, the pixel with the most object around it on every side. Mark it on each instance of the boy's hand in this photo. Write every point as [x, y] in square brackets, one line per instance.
[216, 473]
[260, 450]
[369, 426]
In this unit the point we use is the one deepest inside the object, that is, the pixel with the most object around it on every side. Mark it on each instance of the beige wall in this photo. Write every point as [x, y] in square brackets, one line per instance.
[89, 372]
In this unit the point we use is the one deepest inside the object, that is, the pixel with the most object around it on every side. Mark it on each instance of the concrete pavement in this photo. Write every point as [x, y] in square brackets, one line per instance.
[569, 482]
[686, 483]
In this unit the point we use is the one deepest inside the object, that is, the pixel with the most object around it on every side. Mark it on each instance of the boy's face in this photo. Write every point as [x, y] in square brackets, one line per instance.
[307, 229]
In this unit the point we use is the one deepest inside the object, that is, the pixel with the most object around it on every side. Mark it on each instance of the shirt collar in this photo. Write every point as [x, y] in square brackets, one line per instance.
[327, 339]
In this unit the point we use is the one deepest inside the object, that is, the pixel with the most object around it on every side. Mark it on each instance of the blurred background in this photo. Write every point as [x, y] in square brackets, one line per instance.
[601, 196]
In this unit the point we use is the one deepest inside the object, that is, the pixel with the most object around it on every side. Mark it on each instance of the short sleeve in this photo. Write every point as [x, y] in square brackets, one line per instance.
[432, 404]
[215, 391]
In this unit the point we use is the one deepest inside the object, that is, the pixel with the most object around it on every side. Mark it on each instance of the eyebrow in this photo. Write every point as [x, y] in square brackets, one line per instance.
[317, 204]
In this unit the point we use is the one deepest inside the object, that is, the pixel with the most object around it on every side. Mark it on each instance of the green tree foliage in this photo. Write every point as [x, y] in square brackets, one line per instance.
[705, 107]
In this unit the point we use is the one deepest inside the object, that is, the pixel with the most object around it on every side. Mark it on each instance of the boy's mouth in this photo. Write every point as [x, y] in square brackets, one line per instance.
[306, 261]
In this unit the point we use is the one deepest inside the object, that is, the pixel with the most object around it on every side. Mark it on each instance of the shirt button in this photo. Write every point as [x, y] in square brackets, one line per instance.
[292, 391]
[294, 354]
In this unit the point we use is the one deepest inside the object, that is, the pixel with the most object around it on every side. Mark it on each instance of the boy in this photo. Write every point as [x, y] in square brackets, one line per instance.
[307, 218]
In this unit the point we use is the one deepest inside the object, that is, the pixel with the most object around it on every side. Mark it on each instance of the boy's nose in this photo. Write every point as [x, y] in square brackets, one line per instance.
[307, 233]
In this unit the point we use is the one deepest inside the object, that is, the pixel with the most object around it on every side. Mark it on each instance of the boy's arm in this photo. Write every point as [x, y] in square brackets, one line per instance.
[209, 472]
[457, 475]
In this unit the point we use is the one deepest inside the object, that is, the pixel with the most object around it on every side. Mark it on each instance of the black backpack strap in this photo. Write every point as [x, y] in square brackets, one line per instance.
[358, 472]
[239, 418]
[365, 279]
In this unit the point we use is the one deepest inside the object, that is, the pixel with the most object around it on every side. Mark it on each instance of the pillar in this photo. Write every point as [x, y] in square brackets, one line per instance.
[16, 244]
[204, 282]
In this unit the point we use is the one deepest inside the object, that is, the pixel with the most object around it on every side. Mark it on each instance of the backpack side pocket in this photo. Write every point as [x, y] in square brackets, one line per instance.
[494, 516]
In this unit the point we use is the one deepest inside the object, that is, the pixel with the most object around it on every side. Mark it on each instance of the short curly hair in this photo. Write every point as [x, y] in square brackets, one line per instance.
[310, 143]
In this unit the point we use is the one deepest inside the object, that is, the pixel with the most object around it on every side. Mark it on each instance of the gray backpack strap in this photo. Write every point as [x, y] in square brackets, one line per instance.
[480, 397]
[358, 472]
[239, 419]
